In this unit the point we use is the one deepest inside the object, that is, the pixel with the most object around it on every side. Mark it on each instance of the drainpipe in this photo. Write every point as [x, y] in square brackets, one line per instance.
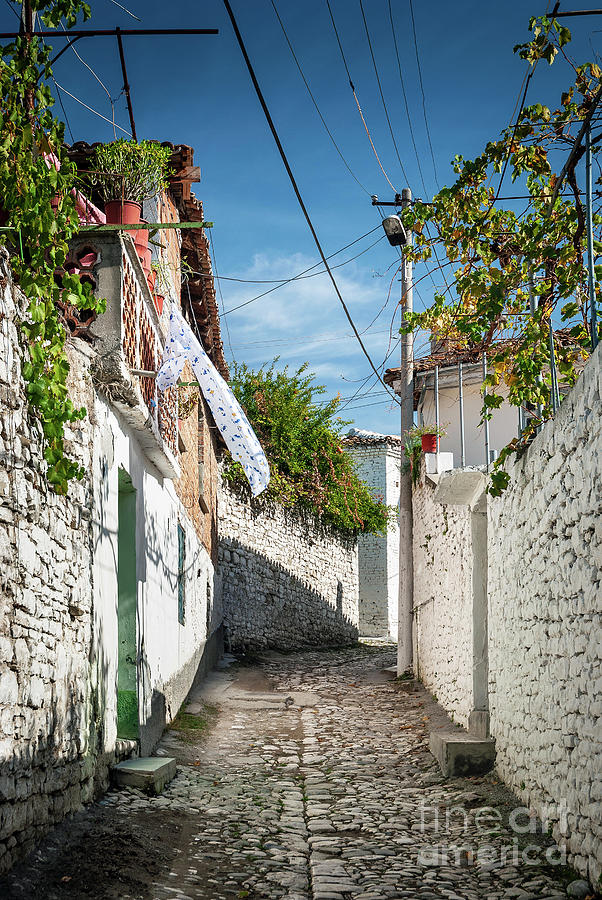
[406, 541]
[478, 720]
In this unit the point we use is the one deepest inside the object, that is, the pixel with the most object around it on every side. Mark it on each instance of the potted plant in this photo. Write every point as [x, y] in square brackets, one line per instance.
[161, 283]
[428, 435]
[126, 173]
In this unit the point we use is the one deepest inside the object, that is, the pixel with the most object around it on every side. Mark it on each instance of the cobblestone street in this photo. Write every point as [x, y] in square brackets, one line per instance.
[312, 780]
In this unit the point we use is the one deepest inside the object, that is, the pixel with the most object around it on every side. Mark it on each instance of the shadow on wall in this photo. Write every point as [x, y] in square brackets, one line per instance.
[266, 606]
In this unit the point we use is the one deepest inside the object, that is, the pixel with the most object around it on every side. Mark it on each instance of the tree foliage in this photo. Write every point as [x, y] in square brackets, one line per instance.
[497, 255]
[29, 185]
[302, 441]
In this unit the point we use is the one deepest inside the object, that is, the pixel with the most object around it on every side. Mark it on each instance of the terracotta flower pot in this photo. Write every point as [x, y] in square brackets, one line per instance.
[159, 300]
[152, 278]
[123, 212]
[145, 258]
[140, 240]
[429, 443]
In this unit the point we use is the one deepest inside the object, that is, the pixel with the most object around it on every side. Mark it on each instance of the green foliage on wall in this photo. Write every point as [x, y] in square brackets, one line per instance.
[499, 257]
[37, 200]
[302, 441]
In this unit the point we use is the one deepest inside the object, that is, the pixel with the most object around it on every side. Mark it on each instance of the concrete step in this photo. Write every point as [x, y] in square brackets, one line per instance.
[149, 773]
[459, 753]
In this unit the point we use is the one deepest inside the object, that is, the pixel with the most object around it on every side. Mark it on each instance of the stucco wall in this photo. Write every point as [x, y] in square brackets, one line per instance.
[378, 463]
[545, 611]
[286, 582]
[443, 634]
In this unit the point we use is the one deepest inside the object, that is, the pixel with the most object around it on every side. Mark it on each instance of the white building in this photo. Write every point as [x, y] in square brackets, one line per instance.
[377, 459]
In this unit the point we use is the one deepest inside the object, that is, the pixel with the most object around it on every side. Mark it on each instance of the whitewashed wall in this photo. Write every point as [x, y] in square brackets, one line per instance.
[168, 652]
[503, 425]
[286, 581]
[377, 463]
[443, 633]
[58, 601]
[545, 621]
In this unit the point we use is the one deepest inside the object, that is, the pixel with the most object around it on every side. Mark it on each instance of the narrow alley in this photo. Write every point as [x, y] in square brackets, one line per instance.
[301, 776]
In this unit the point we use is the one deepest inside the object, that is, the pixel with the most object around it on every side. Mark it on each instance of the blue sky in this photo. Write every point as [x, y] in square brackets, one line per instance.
[196, 90]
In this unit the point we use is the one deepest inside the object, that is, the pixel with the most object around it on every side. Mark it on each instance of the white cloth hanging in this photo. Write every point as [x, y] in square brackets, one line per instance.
[241, 440]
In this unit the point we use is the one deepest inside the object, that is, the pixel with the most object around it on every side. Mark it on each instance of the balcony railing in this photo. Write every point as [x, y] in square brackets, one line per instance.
[129, 339]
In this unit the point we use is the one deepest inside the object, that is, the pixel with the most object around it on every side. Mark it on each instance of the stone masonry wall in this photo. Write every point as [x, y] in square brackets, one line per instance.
[48, 747]
[443, 600]
[286, 582]
[545, 618]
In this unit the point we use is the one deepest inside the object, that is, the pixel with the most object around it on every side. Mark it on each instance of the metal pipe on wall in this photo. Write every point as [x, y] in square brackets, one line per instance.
[437, 404]
[590, 237]
[461, 395]
[486, 421]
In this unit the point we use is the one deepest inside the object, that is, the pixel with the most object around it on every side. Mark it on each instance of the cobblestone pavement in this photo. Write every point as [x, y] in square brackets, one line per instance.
[311, 785]
[314, 782]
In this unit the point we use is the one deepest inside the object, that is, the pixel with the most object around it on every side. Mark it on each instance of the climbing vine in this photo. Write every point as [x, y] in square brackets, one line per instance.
[499, 256]
[301, 438]
[38, 205]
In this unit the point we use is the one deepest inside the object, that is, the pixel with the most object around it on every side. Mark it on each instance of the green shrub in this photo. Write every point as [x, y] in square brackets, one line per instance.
[302, 441]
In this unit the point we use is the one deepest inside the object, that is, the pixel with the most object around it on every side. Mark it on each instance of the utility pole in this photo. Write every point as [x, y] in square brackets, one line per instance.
[406, 391]
[398, 237]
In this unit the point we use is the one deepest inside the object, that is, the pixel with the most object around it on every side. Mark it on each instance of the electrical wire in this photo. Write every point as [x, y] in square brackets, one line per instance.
[382, 96]
[426, 123]
[219, 287]
[12, 9]
[405, 99]
[357, 102]
[317, 108]
[103, 86]
[60, 99]
[280, 284]
[115, 3]
[284, 281]
[295, 187]
[95, 111]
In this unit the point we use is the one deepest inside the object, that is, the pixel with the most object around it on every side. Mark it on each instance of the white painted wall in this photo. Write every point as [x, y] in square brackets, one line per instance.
[168, 652]
[502, 427]
[378, 465]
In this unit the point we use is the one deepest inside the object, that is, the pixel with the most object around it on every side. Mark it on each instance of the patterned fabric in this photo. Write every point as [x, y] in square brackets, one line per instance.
[234, 426]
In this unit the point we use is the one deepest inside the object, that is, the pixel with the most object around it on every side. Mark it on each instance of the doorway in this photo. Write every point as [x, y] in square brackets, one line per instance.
[128, 725]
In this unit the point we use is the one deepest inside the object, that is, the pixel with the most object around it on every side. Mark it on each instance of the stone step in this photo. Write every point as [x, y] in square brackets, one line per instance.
[149, 773]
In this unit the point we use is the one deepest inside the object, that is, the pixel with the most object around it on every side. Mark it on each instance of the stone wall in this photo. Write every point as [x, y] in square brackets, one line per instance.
[540, 562]
[443, 634]
[545, 618]
[286, 582]
[49, 757]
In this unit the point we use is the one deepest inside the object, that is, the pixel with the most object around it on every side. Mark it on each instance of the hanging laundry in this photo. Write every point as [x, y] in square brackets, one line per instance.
[240, 439]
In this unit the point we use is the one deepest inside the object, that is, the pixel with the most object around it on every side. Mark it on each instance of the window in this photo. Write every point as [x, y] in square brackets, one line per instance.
[181, 572]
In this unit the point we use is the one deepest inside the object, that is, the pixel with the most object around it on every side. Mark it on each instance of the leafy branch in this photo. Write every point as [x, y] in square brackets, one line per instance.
[38, 203]
[517, 273]
[302, 441]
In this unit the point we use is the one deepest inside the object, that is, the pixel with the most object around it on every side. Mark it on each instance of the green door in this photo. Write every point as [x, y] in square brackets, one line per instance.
[127, 693]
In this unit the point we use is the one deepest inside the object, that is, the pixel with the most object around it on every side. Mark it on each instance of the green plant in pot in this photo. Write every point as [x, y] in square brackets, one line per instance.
[417, 440]
[126, 173]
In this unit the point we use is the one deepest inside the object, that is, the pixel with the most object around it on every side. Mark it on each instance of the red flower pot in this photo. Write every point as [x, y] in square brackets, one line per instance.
[145, 259]
[159, 300]
[152, 278]
[140, 240]
[123, 212]
[429, 443]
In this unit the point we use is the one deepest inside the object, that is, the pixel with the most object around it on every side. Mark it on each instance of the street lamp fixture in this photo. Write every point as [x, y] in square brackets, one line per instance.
[396, 233]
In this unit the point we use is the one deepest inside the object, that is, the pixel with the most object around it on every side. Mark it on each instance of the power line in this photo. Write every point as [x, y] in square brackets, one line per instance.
[219, 287]
[302, 274]
[64, 111]
[428, 131]
[289, 172]
[103, 86]
[95, 111]
[137, 18]
[313, 99]
[380, 89]
[405, 99]
[355, 97]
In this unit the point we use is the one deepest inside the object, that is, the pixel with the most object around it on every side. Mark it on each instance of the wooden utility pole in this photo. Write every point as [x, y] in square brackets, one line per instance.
[406, 392]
